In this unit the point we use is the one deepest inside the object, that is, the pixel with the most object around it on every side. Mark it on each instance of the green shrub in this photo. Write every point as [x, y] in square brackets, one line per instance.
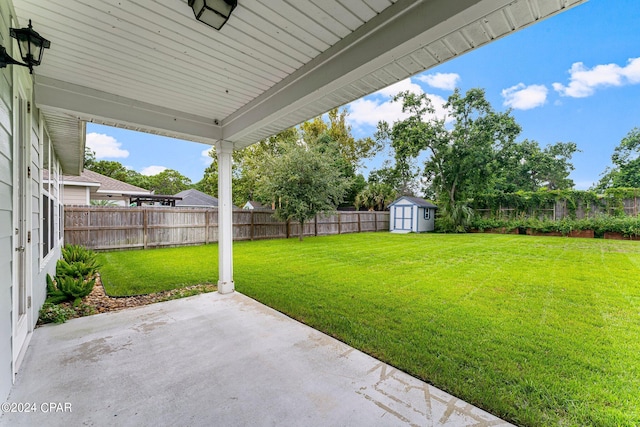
[54, 313]
[74, 288]
[76, 253]
[75, 275]
[54, 295]
[78, 270]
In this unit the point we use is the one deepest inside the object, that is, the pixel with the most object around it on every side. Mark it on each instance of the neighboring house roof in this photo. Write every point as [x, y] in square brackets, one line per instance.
[193, 197]
[71, 180]
[416, 201]
[251, 204]
[106, 184]
[110, 185]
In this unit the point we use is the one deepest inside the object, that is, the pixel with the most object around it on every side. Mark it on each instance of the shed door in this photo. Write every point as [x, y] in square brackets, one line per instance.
[403, 217]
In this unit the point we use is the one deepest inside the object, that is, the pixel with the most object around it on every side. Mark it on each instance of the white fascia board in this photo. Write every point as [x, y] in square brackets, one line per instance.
[80, 184]
[102, 107]
[128, 193]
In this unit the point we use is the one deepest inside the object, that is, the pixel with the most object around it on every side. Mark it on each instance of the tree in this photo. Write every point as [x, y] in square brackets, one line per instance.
[375, 196]
[625, 171]
[249, 165]
[169, 182]
[304, 181]
[524, 166]
[352, 150]
[89, 157]
[137, 179]
[110, 168]
[461, 161]
[335, 136]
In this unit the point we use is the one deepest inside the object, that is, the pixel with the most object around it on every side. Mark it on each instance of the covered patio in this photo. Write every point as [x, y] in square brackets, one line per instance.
[223, 360]
[150, 66]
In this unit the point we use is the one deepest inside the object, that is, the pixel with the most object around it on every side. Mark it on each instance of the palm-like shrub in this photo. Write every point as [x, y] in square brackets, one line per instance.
[75, 275]
[77, 253]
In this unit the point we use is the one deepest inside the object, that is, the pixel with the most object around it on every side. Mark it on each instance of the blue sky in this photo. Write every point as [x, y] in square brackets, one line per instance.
[571, 78]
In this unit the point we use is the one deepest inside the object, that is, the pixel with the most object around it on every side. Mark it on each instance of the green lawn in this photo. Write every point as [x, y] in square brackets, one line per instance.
[538, 330]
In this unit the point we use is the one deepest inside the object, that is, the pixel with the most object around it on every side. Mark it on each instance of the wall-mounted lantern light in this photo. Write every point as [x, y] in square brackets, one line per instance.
[31, 44]
[214, 13]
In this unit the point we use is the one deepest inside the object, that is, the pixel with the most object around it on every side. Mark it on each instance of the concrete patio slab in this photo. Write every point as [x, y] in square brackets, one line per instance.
[216, 360]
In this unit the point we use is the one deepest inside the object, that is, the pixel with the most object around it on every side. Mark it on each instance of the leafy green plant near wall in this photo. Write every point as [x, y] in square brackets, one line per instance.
[535, 203]
[75, 278]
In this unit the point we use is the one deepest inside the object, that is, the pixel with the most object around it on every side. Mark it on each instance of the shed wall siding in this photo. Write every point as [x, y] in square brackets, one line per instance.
[6, 209]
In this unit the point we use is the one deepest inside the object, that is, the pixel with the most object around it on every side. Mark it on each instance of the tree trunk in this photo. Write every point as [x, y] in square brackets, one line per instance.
[301, 231]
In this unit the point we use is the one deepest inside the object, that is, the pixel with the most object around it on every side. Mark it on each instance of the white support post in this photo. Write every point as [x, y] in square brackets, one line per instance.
[225, 218]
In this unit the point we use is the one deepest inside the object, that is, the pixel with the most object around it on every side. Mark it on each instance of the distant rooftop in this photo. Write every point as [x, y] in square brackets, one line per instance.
[107, 184]
[194, 198]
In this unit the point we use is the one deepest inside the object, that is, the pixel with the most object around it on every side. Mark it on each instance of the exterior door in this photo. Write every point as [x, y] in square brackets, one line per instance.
[22, 289]
[403, 217]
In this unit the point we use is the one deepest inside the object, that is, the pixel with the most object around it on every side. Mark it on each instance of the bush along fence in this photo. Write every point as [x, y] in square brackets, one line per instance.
[559, 204]
[111, 228]
[606, 226]
[612, 215]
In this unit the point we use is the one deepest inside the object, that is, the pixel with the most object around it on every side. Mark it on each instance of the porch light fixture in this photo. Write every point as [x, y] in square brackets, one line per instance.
[31, 44]
[214, 13]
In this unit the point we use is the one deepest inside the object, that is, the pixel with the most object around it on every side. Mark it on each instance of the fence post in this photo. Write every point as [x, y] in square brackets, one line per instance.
[88, 225]
[252, 224]
[339, 223]
[206, 226]
[288, 229]
[359, 226]
[375, 220]
[145, 223]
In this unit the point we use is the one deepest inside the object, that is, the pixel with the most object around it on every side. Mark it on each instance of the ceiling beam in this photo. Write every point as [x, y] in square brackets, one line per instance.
[398, 30]
[101, 107]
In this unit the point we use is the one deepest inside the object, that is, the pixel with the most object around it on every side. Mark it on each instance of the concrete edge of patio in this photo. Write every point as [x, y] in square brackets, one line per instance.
[216, 359]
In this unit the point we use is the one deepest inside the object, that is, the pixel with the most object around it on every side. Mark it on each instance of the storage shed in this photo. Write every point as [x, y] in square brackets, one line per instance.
[411, 214]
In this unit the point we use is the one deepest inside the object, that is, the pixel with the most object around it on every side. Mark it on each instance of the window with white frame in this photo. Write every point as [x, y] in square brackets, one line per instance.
[48, 213]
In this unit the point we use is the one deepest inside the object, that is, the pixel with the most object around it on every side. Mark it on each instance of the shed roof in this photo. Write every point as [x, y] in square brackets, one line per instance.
[415, 201]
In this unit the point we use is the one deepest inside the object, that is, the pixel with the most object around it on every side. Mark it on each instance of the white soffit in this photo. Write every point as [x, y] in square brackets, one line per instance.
[148, 65]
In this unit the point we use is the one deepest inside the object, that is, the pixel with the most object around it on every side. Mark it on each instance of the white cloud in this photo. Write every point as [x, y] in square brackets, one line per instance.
[583, 81]
[105, 146]
[521, 97]
[379, 106]
[445, 81]
[206, 158]
[152, 170]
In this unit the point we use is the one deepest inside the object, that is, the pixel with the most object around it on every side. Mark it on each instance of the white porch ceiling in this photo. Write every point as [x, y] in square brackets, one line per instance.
[148, 65]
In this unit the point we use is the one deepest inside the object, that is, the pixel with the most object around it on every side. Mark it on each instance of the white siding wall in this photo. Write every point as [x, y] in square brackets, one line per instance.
[6, 208]
[38, 267]
[74, 195]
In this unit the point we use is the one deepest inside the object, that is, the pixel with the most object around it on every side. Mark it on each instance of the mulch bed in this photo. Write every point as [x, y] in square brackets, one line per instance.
[99, 302]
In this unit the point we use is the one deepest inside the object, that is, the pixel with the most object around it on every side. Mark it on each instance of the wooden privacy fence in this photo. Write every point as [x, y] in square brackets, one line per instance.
[561, 209]
[110, 228]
